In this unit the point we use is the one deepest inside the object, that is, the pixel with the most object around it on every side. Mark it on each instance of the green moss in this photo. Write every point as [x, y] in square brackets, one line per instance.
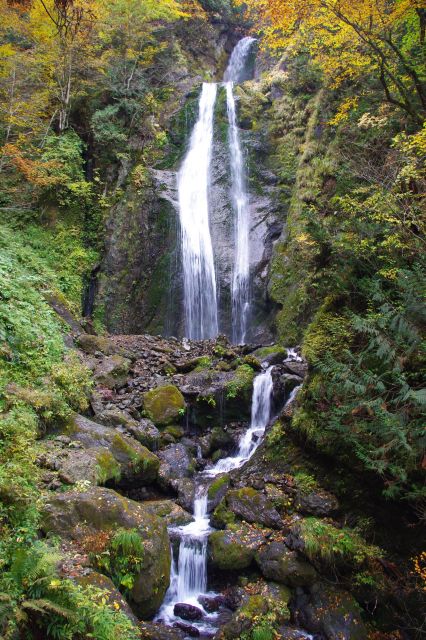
[264, 352]
[242, 382]
[222, 516]
[329, 333]
[164, 405]
[107, 468]
[325, 543]
[228, 552]
[215, 486]
[175, 430]
[305, 482]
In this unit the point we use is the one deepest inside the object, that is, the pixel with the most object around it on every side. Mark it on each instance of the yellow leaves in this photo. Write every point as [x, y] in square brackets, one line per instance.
[344, 110]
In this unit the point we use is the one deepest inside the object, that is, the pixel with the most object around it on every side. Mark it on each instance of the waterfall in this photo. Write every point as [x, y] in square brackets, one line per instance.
[200, 299]
[240, 294]
[189, 570]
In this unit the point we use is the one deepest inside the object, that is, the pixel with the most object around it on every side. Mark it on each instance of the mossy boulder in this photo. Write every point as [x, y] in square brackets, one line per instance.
[164, 405]
[76, 515]
[222, 516]
[264, 612]
[117, 456]
[232, 550]
[277, 562]
[172, 514]
[218, 489]
[92, 344]
[253, 506]
[175, 430]
[145, 432]
[274, 354]
[112, 371]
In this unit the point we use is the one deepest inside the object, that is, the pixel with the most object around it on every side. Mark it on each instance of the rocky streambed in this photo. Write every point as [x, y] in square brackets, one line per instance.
[119, 481]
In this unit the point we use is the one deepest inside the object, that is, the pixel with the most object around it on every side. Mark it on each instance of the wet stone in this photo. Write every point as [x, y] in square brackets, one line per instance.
[187, 611]
[189, 630]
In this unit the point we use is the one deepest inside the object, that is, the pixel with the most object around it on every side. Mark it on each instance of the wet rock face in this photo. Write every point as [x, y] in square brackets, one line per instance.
[74, 515]
[331, 612]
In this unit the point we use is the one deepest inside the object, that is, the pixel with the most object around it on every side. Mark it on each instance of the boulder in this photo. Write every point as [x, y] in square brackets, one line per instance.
[270, 355]
[176, 463]
[164, 405]
[75, 515]
[332, 612]
[93, 344]
[172, 514]
[234, 550]
[145, 432]
[317, 503]
[118, 456]
[278, 563]
[218, 396]
[254, 607]
[115, 418]
[112, 371]
[187, 611]
[253, 506]
[188, 629]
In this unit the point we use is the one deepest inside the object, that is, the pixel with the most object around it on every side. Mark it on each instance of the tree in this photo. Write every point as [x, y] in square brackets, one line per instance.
[348, 39]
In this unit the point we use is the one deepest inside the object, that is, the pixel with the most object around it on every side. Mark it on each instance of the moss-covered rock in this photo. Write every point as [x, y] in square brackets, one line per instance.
[274, 354]
[176, 431]
[92, 344]
[112, 371]
[164, 405]
[117, 456]
[278, 563]
[222, 516]
[253, 506]
[234, 550]
[218, 488]
[75, 515]
[146, 433]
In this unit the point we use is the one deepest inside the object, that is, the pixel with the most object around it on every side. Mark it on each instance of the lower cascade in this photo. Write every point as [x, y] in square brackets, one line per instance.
[189, 569]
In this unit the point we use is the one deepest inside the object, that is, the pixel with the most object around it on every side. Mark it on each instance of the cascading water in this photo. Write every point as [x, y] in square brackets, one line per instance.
[189, 572]
[200, 298]
[240, 294]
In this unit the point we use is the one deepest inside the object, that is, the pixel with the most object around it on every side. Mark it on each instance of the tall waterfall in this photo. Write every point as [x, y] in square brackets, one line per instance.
[240, 294]
[200, 298]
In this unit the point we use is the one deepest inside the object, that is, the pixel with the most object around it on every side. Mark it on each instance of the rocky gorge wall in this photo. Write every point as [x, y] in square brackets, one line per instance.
[140, 282]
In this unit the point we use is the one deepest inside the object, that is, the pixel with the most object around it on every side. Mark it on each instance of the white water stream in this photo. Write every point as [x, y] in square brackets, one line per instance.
[240, 294]
[189, 571]
[200, 298]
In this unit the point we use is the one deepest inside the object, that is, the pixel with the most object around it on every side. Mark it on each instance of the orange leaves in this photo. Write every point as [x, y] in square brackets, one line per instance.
[35, 171]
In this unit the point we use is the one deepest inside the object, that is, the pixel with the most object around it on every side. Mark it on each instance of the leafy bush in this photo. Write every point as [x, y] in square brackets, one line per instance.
[33, 596]
[121, 558]
[333, 547]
